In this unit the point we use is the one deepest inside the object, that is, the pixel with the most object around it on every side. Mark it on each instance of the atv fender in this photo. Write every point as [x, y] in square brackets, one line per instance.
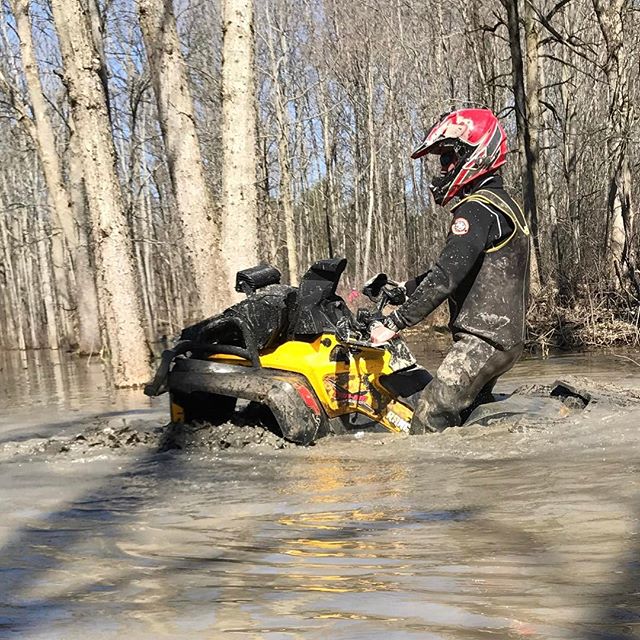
[293, 404]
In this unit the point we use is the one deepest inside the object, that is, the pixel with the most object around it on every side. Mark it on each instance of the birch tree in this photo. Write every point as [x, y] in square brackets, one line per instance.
[338, 94]
[196, 213]
[66, 233]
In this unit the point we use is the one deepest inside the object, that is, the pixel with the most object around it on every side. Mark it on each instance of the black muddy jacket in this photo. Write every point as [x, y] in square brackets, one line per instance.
[483, 270]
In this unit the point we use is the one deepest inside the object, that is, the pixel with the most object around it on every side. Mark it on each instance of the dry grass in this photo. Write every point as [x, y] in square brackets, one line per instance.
[607, 321]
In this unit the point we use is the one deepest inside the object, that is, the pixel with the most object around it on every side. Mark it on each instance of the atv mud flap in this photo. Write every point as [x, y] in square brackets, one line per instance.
[294, 406]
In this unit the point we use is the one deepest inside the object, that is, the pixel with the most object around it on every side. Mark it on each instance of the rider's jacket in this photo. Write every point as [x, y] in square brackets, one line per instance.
[483, 270]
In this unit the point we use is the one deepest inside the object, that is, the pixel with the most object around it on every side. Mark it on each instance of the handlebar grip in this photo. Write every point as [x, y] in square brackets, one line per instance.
[373, 287]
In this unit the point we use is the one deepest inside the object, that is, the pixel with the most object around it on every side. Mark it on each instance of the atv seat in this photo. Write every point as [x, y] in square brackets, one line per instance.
[318, 308]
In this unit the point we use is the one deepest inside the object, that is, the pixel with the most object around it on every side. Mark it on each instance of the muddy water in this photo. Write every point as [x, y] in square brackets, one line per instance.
[481, 533]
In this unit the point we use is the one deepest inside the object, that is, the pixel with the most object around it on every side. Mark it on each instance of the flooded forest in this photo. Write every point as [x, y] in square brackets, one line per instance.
[150, 150]
[132, 190]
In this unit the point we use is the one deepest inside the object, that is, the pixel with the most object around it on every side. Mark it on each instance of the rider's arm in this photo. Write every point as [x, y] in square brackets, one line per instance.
[473, 229]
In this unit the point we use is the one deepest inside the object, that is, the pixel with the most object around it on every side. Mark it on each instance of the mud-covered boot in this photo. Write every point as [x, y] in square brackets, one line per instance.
[417, 427]
[428, 418]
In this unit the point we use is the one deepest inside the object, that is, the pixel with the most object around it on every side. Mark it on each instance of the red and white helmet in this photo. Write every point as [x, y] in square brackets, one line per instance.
[478, 141]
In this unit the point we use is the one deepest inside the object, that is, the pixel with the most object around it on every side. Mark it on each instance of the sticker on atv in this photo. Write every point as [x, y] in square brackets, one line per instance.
[397, 421]
[352, 391]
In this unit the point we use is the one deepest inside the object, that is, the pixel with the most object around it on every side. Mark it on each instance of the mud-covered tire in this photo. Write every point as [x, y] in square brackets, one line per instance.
[205, 407]
[262, 415]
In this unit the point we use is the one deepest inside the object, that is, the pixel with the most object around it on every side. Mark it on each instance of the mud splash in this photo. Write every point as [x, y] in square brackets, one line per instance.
[125, 435]
[596, 392]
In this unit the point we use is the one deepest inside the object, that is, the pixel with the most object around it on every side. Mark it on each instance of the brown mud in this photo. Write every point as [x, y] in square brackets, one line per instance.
[598, 392]
[121, 435]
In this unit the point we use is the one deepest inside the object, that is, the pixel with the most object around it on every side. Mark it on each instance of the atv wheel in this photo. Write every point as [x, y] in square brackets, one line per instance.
[262, 416]
[202, 407]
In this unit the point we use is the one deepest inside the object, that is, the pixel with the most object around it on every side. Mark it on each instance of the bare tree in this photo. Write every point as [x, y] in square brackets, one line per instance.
[278, 51]
[200, 227]
[337, 93]
[239, 203]
[66, 233]
[620, 209]
[118, 290]
[527, 145]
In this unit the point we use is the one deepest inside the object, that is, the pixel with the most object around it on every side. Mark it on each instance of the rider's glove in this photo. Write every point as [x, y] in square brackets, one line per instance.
[396, 292]
[380, 333]
[393, 322]
[410, 286]
[389, 322]
[373, 286]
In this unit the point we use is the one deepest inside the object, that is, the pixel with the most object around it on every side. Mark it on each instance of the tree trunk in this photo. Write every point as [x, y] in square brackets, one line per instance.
[58, 196]
[545, 228]
[540, 129]
[239, 146]
[528, 156]
[570, 166]
[28, 285]
[371, 185]
[619, 203]
[48, 293]
[16, 312]
[118, 290]
[89, 339]
[328, 148]
[199, 222]
[278, 60]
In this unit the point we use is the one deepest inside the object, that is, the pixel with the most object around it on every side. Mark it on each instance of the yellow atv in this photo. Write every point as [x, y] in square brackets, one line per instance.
[301, 354]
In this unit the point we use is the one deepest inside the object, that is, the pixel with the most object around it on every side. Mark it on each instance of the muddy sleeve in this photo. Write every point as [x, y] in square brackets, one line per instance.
[471, 232]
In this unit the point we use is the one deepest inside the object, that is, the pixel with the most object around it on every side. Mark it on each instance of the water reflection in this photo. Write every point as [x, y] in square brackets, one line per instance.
[60, 382]
[45, 391]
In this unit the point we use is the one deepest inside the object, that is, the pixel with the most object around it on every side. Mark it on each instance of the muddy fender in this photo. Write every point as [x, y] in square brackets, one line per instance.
[293, 404]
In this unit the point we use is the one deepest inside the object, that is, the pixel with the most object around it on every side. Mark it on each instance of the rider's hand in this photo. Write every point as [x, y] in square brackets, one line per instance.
[381, 333]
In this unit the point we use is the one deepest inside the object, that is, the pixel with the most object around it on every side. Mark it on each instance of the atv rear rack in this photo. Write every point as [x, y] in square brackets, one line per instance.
[249, 352]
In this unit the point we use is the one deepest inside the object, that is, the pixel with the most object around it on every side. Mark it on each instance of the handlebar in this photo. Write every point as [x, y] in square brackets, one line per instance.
[352, 343]
[354, 332]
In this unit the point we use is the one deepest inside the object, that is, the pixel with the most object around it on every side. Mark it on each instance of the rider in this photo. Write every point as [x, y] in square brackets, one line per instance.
[482, 270]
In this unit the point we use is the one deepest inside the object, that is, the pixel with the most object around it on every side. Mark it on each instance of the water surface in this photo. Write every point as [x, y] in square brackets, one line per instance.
[479, 534]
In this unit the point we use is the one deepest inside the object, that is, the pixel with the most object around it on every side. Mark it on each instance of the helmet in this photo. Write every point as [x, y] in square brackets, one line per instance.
[473, 139]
